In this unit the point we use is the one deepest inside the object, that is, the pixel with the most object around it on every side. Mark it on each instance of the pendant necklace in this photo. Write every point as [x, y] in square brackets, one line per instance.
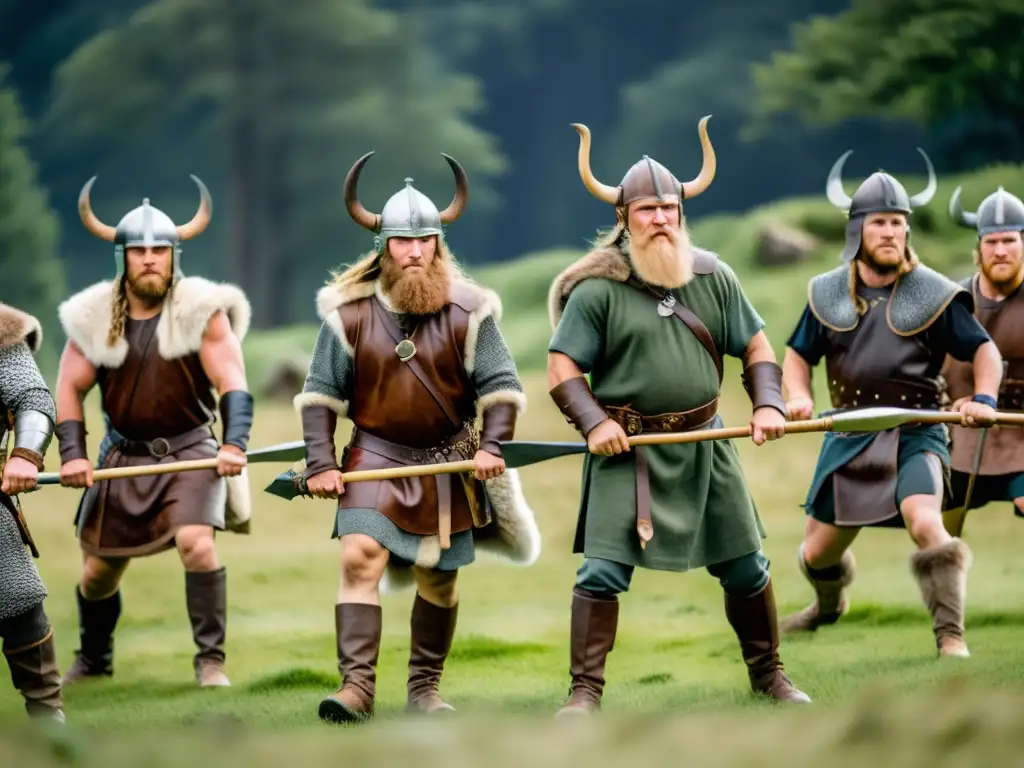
[406, 349]
[665, 306]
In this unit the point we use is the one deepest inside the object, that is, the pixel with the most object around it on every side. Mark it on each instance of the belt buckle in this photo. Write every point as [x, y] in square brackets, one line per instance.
[160, 447]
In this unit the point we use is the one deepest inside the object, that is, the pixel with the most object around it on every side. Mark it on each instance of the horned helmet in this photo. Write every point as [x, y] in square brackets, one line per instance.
[999, 212]
[408, 212]
[146, 225]
[878, 193]
[647, 178]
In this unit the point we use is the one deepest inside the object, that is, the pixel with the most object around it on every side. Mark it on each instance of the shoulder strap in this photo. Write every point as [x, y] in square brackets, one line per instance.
[690, 320]
[414, 365]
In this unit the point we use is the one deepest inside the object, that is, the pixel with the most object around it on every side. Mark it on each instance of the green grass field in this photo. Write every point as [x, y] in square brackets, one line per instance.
[677, 690]
[676, 682]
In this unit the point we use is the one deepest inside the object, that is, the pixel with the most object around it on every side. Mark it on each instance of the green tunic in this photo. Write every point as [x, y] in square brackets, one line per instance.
[701, 508]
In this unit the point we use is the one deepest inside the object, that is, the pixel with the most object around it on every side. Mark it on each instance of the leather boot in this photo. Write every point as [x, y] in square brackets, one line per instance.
[206, 596]
[941, 574]
[432, 630]
[755, 622]
[358, 629]
[594, 623]
[830, 601]
[97, 620]
[34, 672]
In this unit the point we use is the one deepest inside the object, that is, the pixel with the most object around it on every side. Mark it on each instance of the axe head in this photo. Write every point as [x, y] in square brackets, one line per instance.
[290, 484]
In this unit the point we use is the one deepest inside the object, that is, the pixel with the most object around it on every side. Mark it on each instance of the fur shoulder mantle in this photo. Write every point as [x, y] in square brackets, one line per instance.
[17, 326]
[86, 318]
[611, 264]
[478, 301]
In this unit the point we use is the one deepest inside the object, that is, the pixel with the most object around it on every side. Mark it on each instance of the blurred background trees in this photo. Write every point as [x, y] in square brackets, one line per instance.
[270, 103]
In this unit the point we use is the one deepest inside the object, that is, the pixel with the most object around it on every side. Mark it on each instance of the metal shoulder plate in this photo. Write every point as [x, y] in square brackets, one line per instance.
[920, 297]
[828, 296]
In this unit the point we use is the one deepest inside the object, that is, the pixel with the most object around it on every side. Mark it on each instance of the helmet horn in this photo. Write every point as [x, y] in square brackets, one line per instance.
[89, 219]
[690, 189]
[203, 214]
[957, 212]
[601, 191]
[359, 214]
[925, 195]
[458, 203]
[834, 186]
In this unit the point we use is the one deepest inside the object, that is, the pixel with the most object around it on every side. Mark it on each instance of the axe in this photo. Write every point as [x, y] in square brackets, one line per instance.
[521, 453]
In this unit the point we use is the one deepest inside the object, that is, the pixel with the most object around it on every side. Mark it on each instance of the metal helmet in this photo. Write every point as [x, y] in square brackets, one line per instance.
[878, 193]
[146, 226]
[999, 212]
[408, 212]
[647, 177]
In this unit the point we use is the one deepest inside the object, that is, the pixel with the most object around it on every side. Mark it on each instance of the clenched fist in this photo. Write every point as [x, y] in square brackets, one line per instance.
[607, 439]
[19, 476]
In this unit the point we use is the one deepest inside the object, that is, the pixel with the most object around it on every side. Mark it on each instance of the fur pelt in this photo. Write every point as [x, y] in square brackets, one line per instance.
[480, 302]
[86, 319]
[518, 399]
[17, 326]
[518, 539]
[607, 262]
[309, 399]
[937, 563]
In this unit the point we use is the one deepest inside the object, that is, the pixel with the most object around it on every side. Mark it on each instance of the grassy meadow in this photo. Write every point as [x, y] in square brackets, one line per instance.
[677, 689]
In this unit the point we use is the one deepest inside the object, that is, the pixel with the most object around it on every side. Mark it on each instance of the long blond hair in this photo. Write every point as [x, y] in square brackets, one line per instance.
[910, 261]
[118, 312]
[368, 268]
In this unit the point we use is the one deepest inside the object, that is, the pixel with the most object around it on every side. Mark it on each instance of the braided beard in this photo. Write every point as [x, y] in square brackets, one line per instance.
[415, 293]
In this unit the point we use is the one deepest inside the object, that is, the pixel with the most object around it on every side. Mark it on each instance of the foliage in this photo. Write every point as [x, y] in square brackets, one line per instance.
[932, 61]
[260, 85]
[33, 279]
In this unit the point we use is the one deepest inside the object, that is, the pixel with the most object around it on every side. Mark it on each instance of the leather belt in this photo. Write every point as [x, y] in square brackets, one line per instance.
[895, 394]
[634, 423]
[462, 444]
[161, 446]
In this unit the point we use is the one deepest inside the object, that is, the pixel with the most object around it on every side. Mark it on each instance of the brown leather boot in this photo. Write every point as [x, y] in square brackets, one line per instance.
[831, 599]
[207, 600]
[97, 620]
[34, 672]
[432, 630]
[358, 629]
[941, 574]
[755, 622]
[594, 623]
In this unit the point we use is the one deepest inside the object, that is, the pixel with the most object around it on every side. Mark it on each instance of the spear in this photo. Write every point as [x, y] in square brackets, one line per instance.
[522, 453]
[281, 452]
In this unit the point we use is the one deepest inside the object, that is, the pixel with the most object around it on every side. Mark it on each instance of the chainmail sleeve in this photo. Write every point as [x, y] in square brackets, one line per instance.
[494, 369]
[22, 387]
[329, 380]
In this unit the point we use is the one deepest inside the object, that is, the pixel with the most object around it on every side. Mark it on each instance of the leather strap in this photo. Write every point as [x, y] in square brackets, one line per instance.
[397, 336]
[690, 320]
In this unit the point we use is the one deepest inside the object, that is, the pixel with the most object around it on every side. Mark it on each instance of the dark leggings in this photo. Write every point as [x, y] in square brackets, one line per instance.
[741, 577]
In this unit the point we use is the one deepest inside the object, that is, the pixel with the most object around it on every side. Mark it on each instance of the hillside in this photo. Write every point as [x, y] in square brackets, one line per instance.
[778, 293]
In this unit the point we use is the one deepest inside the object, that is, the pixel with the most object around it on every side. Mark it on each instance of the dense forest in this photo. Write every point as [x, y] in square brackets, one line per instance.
[270, 103]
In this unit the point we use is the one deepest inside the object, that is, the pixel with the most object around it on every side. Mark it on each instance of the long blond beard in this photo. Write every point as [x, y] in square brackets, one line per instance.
[421, 293]
[666, 262]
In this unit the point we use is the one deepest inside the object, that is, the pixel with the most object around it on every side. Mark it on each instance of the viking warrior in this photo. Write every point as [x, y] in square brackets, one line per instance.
[410, 352]
[27, 407]
[988, 464]
[650, 317]
[884, 322]
[158, 344]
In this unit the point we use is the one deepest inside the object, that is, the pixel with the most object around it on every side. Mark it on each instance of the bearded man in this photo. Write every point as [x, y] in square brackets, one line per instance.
[27, 407]
[649, 318]
[411, 353]
[884, 322]
[158, 344]
[988, 464]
